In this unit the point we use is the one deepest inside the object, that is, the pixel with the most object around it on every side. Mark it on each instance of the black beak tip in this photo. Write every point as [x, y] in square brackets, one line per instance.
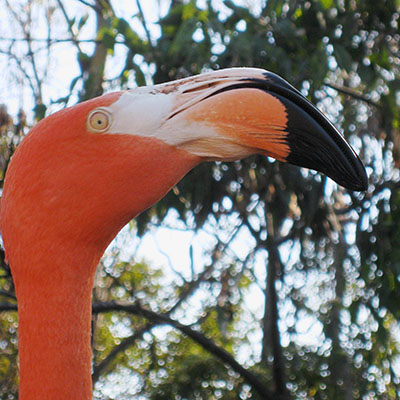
[327, 152]
[356, 178]
[360, 180]
[363, 186]
[314, 142]
[345, 169]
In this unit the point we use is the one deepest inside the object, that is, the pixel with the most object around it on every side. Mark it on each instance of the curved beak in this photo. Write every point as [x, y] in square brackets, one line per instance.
[313, 140]
[256, 111]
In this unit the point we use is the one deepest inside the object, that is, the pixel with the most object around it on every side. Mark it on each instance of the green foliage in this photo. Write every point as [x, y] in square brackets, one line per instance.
[196, 376]
[8, 355]
[40, 111]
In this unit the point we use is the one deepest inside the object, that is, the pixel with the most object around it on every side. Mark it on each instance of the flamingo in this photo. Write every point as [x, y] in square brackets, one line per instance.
[84, 172]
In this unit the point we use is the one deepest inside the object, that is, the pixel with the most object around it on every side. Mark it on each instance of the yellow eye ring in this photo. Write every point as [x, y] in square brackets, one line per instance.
[99, 120]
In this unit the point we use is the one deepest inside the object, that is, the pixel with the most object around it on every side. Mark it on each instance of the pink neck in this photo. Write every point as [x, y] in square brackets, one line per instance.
[54, 335]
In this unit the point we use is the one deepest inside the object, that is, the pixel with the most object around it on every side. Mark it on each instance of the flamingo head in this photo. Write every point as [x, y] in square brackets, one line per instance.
[85, 171]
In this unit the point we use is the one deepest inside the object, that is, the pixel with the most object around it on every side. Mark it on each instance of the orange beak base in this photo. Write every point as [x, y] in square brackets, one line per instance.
[313, 141]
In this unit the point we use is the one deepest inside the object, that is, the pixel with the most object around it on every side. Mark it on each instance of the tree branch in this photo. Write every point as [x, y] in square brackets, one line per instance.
[129, 341]
[185, 291]
[22, 69]
[146, 29]
[8, 307]
[162, 319]
[198, 337]
[68, 21]
[86, 3]
[352, 93]
[7, 294]
[271, 320]
[25, 28]
[55, 40]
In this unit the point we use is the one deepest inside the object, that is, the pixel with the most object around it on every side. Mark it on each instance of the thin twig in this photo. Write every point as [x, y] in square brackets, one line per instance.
[88, 4]
[52, 41]
[22, 69]
[146, 29]
[36, 90]
[68, 21]
[168, 258]
[31, 54]
[352, 93]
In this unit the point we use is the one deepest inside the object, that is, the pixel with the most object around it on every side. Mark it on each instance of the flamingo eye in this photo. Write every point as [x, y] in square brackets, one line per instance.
[99, 120]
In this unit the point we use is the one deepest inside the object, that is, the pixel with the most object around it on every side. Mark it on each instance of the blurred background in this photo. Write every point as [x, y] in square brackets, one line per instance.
[252, 279]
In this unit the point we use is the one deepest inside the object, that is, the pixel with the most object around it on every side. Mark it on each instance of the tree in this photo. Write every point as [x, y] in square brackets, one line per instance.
[321, 259]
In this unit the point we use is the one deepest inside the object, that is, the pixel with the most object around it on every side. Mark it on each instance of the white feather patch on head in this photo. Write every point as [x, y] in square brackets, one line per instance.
[159, 111]
[147, 112]
[140, 112]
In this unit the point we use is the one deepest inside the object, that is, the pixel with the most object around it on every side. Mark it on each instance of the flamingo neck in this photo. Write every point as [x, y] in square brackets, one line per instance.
[54, 327]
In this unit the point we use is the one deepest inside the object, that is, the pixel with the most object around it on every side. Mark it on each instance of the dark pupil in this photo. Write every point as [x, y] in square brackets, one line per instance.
[99, 122]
